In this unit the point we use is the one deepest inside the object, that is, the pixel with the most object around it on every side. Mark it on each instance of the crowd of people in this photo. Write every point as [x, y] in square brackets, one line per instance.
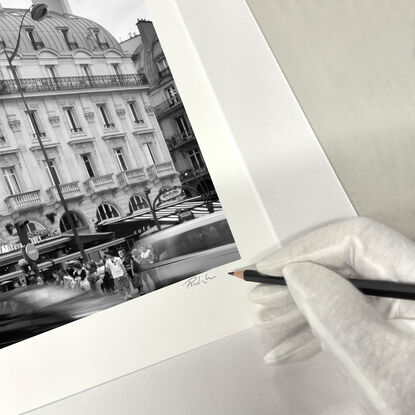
[121, 272]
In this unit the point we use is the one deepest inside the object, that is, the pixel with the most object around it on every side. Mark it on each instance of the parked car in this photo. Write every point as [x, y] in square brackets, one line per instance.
[189, 248]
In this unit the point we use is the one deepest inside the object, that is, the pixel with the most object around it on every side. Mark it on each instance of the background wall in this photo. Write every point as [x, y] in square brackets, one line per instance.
[351, 65]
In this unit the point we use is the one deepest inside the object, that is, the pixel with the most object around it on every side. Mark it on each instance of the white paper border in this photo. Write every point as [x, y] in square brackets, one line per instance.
[278, 185]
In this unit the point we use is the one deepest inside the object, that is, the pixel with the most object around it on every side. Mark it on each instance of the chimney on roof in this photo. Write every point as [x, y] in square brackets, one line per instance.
[147, 32]
[57, 6]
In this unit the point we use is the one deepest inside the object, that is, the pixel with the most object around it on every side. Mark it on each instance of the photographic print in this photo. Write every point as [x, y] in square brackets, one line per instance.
[106, 194]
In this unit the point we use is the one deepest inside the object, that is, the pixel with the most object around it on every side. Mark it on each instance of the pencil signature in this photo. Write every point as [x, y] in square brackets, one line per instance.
[198, 280]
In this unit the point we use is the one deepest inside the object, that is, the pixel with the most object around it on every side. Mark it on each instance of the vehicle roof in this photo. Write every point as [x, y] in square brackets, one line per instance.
[183, 227]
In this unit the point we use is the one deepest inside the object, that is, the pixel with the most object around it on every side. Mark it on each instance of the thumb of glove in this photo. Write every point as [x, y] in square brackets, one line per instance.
[376, 357]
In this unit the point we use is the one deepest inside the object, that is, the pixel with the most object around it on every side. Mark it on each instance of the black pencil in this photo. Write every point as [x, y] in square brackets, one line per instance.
[376, 288]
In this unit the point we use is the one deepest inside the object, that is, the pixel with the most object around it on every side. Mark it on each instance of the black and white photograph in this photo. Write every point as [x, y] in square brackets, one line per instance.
[106, 194]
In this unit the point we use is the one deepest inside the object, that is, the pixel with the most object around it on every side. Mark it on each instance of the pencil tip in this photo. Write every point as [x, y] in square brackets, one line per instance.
[231, 273]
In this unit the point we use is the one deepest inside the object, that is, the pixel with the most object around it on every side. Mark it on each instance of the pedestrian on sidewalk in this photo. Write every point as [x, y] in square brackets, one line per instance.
[118, 272]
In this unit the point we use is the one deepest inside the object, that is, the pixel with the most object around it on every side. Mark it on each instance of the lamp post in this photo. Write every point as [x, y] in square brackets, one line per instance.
[39, 12]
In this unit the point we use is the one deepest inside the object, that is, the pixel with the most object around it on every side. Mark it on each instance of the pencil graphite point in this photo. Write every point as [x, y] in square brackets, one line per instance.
[231, 273]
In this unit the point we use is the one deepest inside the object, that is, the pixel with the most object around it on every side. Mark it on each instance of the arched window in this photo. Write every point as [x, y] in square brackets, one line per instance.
[137, 203]
[106, 211]
[78, 221]
[33, 227]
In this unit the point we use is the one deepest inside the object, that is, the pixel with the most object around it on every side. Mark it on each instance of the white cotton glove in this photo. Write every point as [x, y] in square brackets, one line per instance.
[369, 336]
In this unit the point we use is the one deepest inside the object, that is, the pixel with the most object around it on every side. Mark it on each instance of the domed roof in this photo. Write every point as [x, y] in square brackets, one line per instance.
[48, 31]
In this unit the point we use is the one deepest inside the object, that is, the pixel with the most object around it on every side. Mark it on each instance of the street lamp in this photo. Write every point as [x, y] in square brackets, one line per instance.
[39, 12]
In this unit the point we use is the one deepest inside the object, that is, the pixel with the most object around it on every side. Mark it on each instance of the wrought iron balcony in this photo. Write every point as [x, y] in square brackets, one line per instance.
[167, 105]
[24, 201]
[157, 171]
[176, 142]
[101, 184]
[69, 190]
[191, 174]
[131, 177]
[70, 82]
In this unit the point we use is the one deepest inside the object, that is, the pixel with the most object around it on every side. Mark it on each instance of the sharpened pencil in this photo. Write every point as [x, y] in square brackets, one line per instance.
[377, 288]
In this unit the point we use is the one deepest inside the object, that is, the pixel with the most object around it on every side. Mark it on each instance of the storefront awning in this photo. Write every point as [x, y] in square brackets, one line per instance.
[45, 246]
[142, 221]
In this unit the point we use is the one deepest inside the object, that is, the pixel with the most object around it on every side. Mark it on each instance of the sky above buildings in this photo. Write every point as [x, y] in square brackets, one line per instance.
[119, 20]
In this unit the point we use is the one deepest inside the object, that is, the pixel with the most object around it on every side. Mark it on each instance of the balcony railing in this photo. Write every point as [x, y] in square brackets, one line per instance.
[101, 184]
[130, 177]
[190, 174]
[69, 191]
[176, 142]
[65, 83]
[161, 170]
[24, 201]
[167, 105]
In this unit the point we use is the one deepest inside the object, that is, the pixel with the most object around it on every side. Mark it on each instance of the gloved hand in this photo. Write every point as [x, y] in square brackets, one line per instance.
[368, 336]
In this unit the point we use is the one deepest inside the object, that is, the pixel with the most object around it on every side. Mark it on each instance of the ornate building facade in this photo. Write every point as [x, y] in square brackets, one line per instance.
[96, 122]
[149, 60]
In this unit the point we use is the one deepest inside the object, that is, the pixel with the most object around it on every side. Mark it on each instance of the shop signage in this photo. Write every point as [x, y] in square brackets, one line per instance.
[185, 215]
[6, 248]
[170, 194]
[31, 252]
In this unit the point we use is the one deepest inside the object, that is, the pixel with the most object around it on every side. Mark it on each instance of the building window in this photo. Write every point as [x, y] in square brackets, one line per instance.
[103, 111]
[34, 124]
[88, 165]
[116, 69]
[183, 126]
[77, 220]
[102, 44]
[120, 158]
[138, 119]
[149, 153]
[162, 65]
[48, 170]
[70, 43]
[172, 95]
[10, 72]
[85, 70]
[196, 159]
[11, 180]
[51, 69]
[37, 44]
[72, 120]
[3, 140]
[106, 211]
[137, 203]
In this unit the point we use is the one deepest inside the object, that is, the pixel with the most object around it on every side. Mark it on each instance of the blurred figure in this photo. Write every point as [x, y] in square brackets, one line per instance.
[107, 281]
[81, 277]
[94, 278]
[146, 258]
[136, 271]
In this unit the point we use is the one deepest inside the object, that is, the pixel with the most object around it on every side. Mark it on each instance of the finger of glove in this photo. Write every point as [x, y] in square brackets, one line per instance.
[273, 295]
[301, 345]
[357, 246]
[373, 353]
[281, 319]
